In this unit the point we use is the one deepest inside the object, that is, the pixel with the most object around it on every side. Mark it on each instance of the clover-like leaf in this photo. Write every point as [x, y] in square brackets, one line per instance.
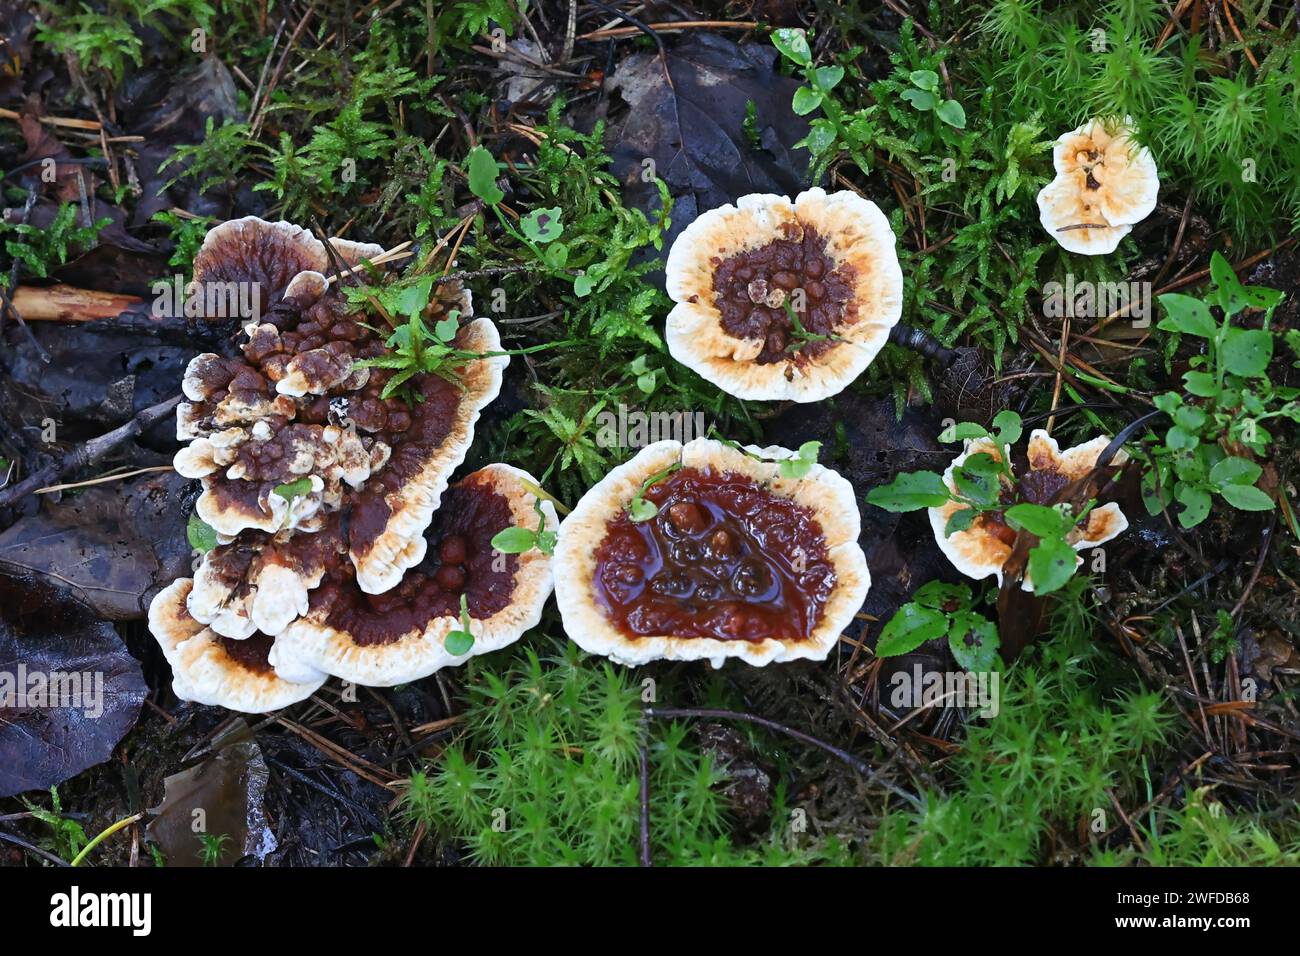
[542, 225]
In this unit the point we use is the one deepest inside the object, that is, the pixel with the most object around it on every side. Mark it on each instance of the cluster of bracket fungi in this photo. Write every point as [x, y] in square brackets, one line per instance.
[342, 551]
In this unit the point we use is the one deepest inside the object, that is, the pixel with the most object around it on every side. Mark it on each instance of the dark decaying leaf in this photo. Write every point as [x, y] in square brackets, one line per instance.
[695, 129]
[113, 544]
[96, 380]
[44, 632]
[222, 797]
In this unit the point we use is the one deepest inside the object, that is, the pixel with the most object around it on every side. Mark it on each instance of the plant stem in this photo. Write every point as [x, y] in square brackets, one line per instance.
[124, 822]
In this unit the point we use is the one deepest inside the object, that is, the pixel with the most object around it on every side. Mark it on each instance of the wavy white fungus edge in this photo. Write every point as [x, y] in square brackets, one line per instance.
[978, 553]
[310, 643]
[857, 234]
[822, 491]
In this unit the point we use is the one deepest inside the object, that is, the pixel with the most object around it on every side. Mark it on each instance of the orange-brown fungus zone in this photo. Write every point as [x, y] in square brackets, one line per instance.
[460, 560]
[1038, 486]
[751, 290]
[723, 558]
[253, 653]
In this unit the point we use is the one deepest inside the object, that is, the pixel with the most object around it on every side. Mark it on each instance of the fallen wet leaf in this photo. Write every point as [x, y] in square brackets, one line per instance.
[69, 691]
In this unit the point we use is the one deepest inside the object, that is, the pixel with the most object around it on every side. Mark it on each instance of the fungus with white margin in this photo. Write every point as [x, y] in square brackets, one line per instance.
[981, 550]
[784, 300]
[1105, 184]
[221, 671]
[464, 585]
[704, 551]
[259, 582]
[296, 428]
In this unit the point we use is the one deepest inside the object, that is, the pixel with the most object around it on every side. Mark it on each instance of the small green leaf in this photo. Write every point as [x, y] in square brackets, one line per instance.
[793, 44]
[982, 463]
[458, 642]
[963, 519]
[483, 176]
[806, 100]
[963, 430]
[973, 640]
[582, 285]
[910, 627]
[1247, 352]
[1009, 427]
[921, 99]
[1189, 418]
[293, 489]
[1051, 564]
[828, 77]
[556, 256]
[1039, 520]
[1228, 287]
[445, 329]
[1196, 504]
[542, 225]
[1178, 439]
[201, 535]
[911, 491]
[1235, 471]
[1200, 384]
[983, 489]
[951, 112]
[641, 509]
[1187, 315]
[801, 464]
[411, 300]
[514, 540]
[1246, 497]
[942, 596]
[461, 641]
[925, 79]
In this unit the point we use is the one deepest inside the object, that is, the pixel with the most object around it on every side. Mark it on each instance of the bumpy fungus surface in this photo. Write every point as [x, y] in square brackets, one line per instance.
[781, 299]
[400, 635]
[753, 288]
[723, 558]
[211, 669]
[459, 560]
[737, 560]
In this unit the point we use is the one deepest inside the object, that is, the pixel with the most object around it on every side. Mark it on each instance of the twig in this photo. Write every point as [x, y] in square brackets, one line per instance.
[671, 26]
[32, 849]
[279, 69]
[1259, 564]
[89, 453]
[101, 480]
